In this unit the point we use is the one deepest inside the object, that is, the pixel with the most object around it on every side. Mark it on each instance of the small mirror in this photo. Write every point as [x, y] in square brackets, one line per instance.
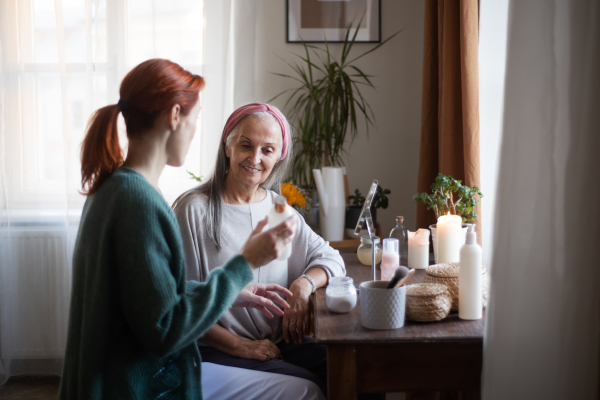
[365, 214]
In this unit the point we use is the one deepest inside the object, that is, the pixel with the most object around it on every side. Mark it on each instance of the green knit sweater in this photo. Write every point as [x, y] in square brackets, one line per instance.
[134, 320]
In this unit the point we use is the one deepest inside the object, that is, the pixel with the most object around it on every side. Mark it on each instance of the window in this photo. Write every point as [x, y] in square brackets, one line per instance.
[58, 66]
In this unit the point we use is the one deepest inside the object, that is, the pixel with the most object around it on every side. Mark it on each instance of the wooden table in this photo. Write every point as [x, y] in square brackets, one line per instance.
[433, 356]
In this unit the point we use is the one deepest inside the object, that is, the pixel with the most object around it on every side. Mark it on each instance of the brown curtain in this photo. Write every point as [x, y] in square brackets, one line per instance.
[450, 109]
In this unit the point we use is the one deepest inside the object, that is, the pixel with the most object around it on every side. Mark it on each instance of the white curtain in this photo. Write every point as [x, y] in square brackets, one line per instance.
[59, 61]
[493, 25]
[543, 322]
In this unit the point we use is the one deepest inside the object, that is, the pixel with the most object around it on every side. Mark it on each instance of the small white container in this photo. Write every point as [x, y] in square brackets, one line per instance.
[382, 308]
[390, 259]
[279, 212]
[340, 295]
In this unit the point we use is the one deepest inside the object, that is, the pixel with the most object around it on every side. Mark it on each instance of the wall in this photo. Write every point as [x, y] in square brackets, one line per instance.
[391, 153]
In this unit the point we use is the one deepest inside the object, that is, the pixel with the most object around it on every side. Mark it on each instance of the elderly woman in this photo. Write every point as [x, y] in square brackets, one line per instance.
[215, 217]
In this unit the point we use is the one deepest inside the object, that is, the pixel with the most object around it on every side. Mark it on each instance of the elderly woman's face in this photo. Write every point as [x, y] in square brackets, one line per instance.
[254, 151]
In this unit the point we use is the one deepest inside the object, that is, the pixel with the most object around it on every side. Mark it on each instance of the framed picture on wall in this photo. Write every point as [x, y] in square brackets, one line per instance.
[317, 21]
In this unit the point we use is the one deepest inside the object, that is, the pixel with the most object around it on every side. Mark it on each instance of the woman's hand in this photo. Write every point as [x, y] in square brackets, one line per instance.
[263, 297]
[263, 247]
[263, 350]
[296, 319]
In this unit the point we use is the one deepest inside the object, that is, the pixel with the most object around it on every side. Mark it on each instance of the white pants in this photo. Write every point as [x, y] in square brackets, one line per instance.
[221, 382]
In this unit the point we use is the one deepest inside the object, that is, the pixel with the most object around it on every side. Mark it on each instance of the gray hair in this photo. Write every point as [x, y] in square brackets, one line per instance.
[214, 187]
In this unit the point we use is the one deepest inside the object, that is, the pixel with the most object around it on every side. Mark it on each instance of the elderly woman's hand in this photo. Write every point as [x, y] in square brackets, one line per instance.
[296, 319]
[263, 297]
[263, 350]
[263, 247]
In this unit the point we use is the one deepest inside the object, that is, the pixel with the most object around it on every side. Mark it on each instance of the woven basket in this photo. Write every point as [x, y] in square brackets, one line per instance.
[427, 302]
[447, 273]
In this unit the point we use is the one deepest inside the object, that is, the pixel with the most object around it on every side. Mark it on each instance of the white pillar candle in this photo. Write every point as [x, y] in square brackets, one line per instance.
[449, 238]
[418, 249]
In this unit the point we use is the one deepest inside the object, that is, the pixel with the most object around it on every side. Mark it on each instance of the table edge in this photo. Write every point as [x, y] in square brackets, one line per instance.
[474, 340]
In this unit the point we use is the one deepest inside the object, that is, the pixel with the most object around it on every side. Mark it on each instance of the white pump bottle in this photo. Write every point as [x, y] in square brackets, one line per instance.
[469, 278]
[279, 212]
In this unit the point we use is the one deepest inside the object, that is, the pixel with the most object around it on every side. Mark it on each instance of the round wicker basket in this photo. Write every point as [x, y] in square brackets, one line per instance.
[427, 302]
[447, 273]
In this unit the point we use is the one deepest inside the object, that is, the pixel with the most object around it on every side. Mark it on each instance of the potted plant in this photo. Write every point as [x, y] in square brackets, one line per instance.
[449, 195]
[380, 200]
[325, 106]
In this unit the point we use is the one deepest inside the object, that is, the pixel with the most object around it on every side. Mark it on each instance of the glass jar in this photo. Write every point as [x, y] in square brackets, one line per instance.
[340, 295]
[400, 232]
[364, 250]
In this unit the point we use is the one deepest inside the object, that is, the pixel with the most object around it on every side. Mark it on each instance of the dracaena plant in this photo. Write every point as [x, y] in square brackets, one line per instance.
[326, 105]
[449, 195]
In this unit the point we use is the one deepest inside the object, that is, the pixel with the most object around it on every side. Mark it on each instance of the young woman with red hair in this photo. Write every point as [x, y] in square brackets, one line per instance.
[134, 320]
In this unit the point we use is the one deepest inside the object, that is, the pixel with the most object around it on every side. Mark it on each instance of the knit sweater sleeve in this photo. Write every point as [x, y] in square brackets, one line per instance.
[318, 252]
[165, 312]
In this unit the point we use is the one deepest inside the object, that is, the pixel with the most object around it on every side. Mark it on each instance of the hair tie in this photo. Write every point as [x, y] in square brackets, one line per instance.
[252, 108]
[123, 105]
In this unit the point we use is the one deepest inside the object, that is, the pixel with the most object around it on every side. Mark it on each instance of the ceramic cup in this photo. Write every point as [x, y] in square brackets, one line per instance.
[381, 308]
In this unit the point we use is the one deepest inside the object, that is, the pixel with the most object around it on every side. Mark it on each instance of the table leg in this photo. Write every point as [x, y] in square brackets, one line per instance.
[341, 372]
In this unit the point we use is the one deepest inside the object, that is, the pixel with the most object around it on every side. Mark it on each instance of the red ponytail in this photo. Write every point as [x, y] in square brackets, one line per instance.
[148, 90]
[100, 152]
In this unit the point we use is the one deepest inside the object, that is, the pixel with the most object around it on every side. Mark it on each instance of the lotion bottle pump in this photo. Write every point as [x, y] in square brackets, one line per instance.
[469, 278]
[279, 212]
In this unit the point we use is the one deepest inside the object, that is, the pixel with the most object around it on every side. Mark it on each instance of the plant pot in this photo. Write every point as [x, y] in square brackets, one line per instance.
[433, 229]
[352, 216]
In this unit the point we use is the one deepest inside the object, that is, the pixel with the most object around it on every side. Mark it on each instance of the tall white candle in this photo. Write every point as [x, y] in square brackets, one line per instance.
[418, 249]
[449, 238]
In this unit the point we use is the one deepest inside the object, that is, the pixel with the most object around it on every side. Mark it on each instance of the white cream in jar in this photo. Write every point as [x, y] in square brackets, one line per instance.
[365, 250]
[340, 295]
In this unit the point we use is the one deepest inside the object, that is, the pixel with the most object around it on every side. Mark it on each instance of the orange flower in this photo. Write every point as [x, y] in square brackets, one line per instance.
[293, 195]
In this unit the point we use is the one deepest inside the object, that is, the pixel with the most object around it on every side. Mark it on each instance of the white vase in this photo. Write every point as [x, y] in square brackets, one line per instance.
[332, 202]
[433, 230]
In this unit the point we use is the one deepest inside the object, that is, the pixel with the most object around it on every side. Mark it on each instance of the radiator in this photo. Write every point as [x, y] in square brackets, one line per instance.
[35, 284]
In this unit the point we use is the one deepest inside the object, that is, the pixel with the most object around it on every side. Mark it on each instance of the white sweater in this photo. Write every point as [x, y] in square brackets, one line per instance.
[309, 250]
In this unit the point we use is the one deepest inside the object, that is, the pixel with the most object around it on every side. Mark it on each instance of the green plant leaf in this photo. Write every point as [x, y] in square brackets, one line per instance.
[376, 47]
[326, 105]
[194, 177]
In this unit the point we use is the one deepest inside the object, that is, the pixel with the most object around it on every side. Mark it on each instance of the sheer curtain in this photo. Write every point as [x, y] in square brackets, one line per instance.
[59, 61]
[493, 25]
[543, 325]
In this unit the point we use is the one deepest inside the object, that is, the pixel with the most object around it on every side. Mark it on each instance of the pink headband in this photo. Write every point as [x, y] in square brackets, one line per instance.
[252, 108]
